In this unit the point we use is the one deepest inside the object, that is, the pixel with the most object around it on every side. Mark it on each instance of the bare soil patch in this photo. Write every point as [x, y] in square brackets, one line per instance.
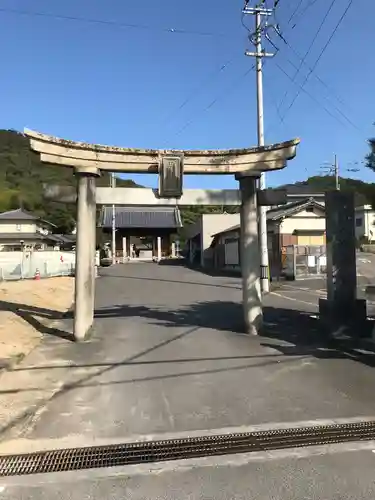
[25, 308]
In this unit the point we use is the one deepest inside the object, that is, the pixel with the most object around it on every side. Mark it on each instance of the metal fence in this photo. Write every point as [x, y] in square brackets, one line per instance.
[29, 264]
[300, 261]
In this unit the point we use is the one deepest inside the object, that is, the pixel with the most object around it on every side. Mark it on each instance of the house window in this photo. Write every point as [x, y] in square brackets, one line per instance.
[309, 209]
[358, 222]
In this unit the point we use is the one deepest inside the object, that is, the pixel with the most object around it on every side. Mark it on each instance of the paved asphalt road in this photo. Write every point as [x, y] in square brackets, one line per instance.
[168, 356]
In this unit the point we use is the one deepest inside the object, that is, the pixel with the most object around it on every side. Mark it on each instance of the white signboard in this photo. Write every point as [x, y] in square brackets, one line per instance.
[323, 260]
[311, 260]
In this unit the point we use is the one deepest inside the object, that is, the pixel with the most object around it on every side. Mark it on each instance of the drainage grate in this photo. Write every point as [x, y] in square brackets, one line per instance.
[177, 449]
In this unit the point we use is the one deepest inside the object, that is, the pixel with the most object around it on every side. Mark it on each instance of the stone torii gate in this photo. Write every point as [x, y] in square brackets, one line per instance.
[88, 160]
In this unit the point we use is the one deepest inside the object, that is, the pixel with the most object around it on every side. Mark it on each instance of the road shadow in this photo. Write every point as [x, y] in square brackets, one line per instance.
[30, 314]
[292, 335]
[216, 315]
[172, 263]
[164, 280]
[292, 332]
[92, 379]
[297, 333]
[214, 272]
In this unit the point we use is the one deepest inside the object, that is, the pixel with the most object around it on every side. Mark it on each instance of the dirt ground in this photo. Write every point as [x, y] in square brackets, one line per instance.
[24, 305]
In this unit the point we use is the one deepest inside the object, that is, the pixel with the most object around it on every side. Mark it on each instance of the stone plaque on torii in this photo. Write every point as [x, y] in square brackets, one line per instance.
[88, 160]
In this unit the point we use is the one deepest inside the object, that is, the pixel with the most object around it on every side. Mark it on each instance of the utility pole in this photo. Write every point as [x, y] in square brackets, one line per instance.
[333, 169]
[113, 185]
[259, 53]
[337, 178]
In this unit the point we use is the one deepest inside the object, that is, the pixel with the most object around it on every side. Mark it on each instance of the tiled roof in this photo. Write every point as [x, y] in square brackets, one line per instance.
[62, 238]
[24, 236]
[228, 230]
[21, 214]
[18, 214]
[291, 208]
[142, 217]
[57, 238]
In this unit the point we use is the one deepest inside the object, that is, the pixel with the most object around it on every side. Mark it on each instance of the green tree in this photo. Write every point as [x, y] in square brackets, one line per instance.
[370, 157]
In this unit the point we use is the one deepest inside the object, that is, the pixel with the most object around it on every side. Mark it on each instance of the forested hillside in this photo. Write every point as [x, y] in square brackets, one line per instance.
[22, 176]
[364, 192]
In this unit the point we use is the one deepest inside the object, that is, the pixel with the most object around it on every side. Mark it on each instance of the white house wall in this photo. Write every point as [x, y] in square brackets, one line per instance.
[309, 222]
[367, 227]
[370, 225]
[17, 227]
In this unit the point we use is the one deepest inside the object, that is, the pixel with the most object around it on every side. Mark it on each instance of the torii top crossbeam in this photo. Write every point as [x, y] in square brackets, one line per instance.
[91, 158]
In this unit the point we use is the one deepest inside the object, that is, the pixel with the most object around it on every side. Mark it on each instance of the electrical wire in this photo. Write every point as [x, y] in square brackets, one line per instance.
[272, 98]
[307, 93]
[320, 55]
[298, 55]
[334, 105]
[320, 80]
[303, 12]
[244, 24]
[214, 101]
[197, 89]
[309, 49]
[295, 11]
[64, 17]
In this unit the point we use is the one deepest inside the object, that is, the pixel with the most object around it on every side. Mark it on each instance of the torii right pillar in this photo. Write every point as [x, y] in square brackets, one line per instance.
[249, 256]
[342, 314]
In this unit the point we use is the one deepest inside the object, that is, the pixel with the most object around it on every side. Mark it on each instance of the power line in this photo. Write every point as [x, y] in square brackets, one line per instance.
[303, 12]
[298, 55]
[197, 89]
[309, 49]
[333, 104]
[320, 55]
[295, 11]
[320, 80]
[272, 98]
[307, 93]
[110, 23]
[214, 101]
[303, 62]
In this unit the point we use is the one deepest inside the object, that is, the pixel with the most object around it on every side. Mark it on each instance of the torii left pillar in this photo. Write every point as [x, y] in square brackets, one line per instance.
[84, 294]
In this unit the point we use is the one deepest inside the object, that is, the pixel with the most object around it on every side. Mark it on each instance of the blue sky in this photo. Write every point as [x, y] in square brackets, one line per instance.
[126, 86]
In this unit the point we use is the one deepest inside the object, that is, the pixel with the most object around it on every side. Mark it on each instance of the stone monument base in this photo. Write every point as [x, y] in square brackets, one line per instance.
[347, 320]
